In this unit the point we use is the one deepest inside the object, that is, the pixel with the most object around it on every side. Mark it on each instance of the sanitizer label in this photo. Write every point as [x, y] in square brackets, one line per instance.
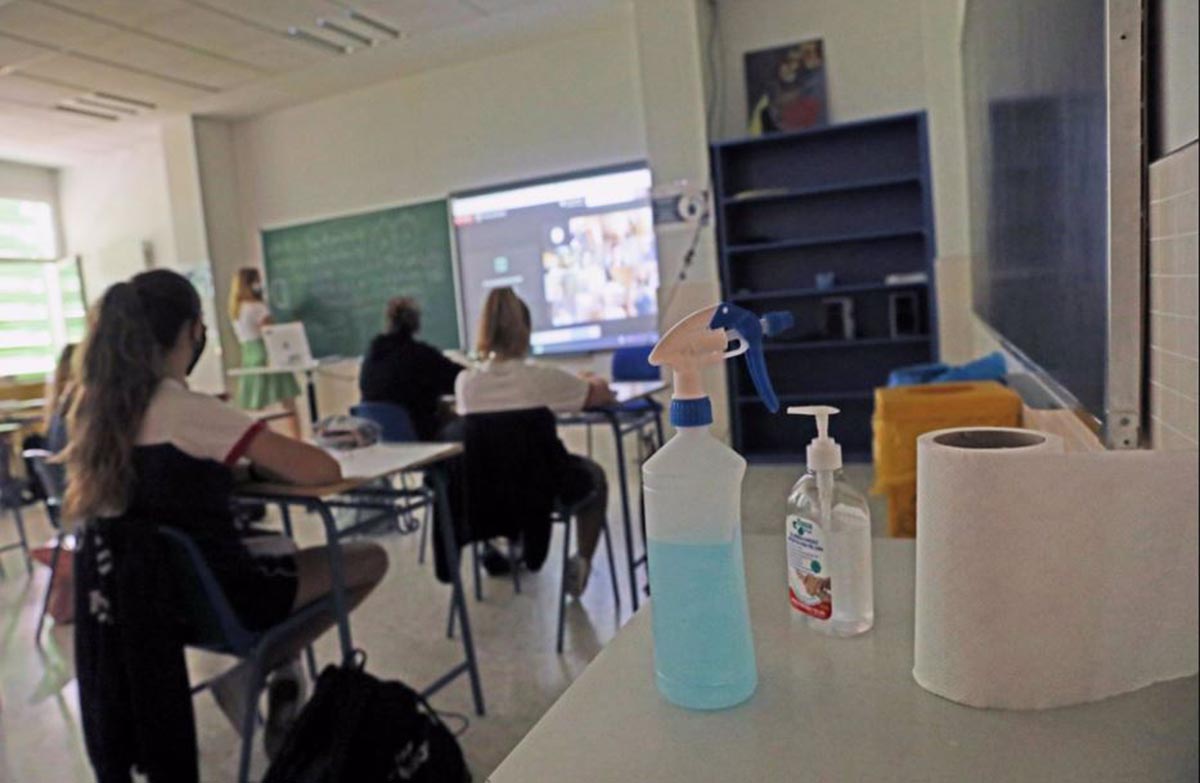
[809, 588]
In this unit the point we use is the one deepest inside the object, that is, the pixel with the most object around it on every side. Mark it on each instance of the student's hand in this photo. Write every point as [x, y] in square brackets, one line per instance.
[599, 395]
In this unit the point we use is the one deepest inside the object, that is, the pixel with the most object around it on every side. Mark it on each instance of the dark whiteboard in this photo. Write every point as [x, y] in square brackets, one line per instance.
[336, 275]
[1037, 107]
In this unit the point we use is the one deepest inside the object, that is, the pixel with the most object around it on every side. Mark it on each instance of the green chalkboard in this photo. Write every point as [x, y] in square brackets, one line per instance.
[337, 275]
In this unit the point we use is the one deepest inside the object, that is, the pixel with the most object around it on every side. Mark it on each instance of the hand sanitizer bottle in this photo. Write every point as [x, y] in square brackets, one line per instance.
[703, 645]
[829, 540]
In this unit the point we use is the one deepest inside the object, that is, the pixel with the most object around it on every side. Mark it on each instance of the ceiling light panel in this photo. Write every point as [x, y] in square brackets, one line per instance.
[29, 20]
[417, 16]
[17, 88]
[128, 12]
[179, 64]
[13, 52]
[280, 14]
[94, 76]
[207, 30]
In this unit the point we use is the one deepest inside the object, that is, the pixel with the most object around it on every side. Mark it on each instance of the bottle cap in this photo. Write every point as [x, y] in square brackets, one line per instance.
[824, 453]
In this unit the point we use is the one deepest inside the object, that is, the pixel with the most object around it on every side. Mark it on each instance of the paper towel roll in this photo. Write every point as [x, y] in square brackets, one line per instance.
[1046, 578]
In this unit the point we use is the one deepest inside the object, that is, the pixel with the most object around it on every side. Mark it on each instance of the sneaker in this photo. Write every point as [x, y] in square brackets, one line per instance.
[578, 572]
[495, 562]
[285, 695]
[498, 563]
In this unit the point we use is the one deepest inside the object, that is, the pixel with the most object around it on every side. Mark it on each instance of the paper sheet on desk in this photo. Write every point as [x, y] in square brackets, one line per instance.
[1047, 578]
[382, 459]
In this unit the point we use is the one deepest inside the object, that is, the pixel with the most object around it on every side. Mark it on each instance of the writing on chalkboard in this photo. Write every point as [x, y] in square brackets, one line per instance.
[337, 275]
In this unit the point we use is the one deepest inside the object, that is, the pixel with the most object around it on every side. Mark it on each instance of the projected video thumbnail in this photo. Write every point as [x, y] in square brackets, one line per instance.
[580, 250]
[601, 268]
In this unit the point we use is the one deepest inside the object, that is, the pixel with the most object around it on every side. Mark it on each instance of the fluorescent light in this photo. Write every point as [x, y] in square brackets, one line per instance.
[112, 96]
[316, 40]
[373, 23]
[337, 28]
[86, 101]
[87, 112]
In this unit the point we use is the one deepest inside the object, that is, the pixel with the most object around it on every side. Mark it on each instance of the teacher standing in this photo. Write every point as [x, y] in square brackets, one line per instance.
[249, 315]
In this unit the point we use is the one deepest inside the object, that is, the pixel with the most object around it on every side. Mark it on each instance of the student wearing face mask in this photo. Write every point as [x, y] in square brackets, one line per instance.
[145, 453]
[249, 314]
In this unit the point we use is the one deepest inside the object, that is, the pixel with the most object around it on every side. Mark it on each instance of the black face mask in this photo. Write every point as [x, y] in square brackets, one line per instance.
[198, 349]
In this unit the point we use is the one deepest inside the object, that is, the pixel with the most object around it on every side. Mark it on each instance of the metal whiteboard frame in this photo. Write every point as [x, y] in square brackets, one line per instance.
[1122, 425]
[1126, 84]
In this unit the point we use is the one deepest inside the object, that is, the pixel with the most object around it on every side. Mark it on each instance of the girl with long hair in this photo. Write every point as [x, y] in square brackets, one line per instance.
[508, 380]
[249, 314]
[143, 448]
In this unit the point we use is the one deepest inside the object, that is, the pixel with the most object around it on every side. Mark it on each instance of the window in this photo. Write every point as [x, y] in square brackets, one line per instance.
[27, 229]
[41, 310]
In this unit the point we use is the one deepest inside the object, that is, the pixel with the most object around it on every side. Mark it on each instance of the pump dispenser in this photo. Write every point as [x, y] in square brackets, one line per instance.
[703, 646]
[829, 540]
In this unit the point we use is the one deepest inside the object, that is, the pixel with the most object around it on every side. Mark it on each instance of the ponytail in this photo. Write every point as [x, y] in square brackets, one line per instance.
[131, 331]
[504, 326]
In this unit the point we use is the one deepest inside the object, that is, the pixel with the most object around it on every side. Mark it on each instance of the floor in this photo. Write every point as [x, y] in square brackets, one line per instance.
[401, 626]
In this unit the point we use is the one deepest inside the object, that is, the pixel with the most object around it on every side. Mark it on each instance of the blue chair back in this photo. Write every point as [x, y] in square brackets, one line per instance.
[394, 422]
[214, 624]
[631, 364]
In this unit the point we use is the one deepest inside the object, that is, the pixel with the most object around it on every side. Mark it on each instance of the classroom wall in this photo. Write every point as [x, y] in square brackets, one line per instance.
[1174, 306]
[138, 207]
[569, 103]
[35, 183]
[114, 203]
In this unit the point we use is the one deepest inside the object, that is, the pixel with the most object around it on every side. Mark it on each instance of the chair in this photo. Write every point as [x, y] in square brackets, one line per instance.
[514, 471]
[396, 426]
[11, 490]
[52, 478]
[216, 628]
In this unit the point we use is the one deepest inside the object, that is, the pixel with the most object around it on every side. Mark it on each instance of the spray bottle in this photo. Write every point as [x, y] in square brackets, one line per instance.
[703, 646]
[829, 540]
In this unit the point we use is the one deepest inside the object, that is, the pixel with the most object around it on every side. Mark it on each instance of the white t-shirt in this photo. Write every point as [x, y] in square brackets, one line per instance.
[514, 384]
[248, 325]
[197, 424]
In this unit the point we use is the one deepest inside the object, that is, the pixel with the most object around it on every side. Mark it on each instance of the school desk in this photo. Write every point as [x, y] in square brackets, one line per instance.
[360, 468]
[836, 710]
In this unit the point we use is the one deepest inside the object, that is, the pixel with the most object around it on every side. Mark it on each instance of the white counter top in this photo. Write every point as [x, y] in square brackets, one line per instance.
[841, 710]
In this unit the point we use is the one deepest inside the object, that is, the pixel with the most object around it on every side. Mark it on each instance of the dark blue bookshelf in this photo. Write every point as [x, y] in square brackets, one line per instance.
[854, 200]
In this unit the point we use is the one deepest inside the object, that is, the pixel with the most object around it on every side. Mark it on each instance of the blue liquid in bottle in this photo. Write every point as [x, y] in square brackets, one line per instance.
[703, 645]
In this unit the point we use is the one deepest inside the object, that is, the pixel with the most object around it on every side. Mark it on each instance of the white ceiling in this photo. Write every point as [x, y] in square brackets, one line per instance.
[79, 77]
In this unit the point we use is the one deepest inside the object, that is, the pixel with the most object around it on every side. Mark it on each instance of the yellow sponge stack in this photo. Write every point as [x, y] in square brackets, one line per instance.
[902, 413]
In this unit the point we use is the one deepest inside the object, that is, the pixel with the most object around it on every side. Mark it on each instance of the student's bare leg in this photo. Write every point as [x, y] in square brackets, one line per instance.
[590, 517]
[293, 419]
[364, 564]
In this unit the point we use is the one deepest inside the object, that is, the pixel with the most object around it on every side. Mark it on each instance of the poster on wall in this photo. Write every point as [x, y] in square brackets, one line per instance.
[785, 88]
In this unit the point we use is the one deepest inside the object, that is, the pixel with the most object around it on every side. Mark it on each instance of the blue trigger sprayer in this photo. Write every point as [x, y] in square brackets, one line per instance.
[703, 645]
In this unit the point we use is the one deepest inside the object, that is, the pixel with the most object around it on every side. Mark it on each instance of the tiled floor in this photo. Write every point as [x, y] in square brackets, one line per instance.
[401, 627]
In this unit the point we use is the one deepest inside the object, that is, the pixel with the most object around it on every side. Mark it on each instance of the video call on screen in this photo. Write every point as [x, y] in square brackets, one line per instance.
[579, 250]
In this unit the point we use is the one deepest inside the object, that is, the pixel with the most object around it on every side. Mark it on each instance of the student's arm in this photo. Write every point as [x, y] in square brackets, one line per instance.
[291, 460]
[599, 393]
[444, 371]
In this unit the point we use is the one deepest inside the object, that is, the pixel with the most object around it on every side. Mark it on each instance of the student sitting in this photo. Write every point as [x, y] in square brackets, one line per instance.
[508, 380]
[404, 371]
[146, 452]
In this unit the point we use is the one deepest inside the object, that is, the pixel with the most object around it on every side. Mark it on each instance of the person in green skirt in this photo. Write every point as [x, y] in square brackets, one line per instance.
[249, 314]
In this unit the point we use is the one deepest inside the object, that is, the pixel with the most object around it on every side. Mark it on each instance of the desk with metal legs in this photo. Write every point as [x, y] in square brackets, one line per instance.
[361, 468]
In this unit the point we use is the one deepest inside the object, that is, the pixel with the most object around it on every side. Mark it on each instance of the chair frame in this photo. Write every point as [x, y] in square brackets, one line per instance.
[257, 647]
[10, 500]
[53, 505]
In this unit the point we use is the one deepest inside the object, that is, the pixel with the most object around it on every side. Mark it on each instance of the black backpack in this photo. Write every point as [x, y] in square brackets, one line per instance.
[359, 728]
